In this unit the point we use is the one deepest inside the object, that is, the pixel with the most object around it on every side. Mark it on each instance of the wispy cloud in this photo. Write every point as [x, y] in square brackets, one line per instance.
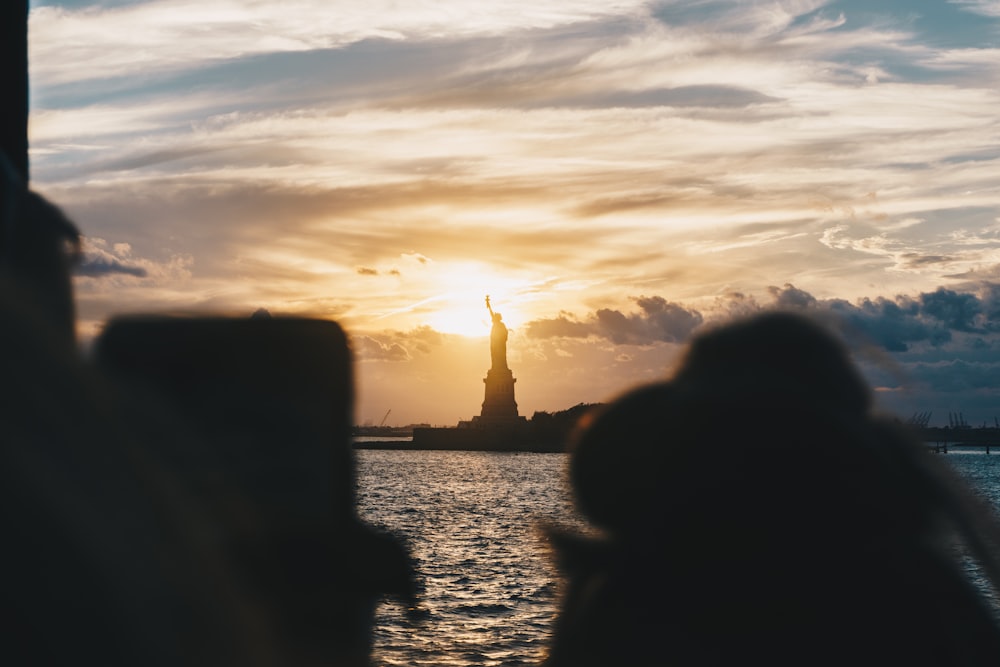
[984, 7]
[351, 161]
[167, 35]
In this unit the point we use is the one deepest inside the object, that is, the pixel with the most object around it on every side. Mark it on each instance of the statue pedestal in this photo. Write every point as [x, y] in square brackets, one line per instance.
[499, 402]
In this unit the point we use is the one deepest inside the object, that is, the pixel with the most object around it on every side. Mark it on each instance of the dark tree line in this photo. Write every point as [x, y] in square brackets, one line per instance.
[554, 428]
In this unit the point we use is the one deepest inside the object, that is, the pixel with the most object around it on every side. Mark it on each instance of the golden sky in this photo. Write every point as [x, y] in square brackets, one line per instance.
[615, 174]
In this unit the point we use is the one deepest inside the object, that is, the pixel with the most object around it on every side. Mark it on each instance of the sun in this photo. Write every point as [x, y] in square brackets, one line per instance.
[466, 314]
[460, 307]
[460, 322]
[469, 322]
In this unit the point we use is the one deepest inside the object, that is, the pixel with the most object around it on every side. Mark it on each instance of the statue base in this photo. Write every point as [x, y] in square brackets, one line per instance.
[499, 402]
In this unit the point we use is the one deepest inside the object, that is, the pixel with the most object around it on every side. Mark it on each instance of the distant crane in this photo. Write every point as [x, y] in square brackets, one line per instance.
[382, 423]
[919, 419]
[957, 420]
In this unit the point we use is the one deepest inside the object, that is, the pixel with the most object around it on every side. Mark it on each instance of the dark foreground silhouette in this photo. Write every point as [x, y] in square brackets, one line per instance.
[188, 498]
[753, 510]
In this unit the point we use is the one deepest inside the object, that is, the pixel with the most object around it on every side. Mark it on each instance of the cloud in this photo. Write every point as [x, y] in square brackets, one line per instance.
[659, 321]
[898, 324]
[984, 7]
[171, 34]
[367, 348]
[912, 260]
[893, 324]
[958, 375]
[558, 327]
[990, 297]
[955, 311]
[96, 266]
[397, 346]
[287, 153]
[693, 96]
[921, 246]
[789, 297]
[936, 350]
[99, 260]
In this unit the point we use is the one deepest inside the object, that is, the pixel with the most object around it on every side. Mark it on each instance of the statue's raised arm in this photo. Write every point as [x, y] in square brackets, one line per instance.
[488, 307]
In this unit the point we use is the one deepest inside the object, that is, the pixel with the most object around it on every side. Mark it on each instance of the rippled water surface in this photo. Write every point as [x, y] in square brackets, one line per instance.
[982, 470]
[471, 522]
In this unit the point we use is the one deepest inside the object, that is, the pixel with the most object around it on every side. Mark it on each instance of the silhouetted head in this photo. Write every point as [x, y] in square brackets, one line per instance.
[748, 401]
[780, 352]
[754, 510]
[38, 247]
[497, 317]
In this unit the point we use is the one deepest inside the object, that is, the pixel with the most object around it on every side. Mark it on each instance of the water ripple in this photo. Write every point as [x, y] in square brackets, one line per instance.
[470, 519]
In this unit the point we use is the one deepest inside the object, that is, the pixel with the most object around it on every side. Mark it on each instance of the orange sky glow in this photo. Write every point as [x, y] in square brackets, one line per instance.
[615, 175]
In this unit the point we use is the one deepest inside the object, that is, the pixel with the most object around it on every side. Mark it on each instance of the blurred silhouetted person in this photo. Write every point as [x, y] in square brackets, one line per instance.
[754, 510]
[260, 411]
[189, 499]
[38, 246]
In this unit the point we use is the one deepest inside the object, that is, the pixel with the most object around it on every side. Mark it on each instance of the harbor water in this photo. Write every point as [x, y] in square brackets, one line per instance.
[471, 520]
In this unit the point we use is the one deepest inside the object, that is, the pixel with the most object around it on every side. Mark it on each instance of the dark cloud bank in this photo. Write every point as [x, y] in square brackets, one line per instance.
[938, 351]
[658, 321]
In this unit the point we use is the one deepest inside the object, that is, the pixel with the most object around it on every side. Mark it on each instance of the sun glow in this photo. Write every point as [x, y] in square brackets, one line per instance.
[466, 315]
[459, 322]
[460, 306]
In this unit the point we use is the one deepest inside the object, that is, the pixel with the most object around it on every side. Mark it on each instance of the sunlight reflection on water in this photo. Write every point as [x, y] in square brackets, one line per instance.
[982, 470]
[471, 521]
